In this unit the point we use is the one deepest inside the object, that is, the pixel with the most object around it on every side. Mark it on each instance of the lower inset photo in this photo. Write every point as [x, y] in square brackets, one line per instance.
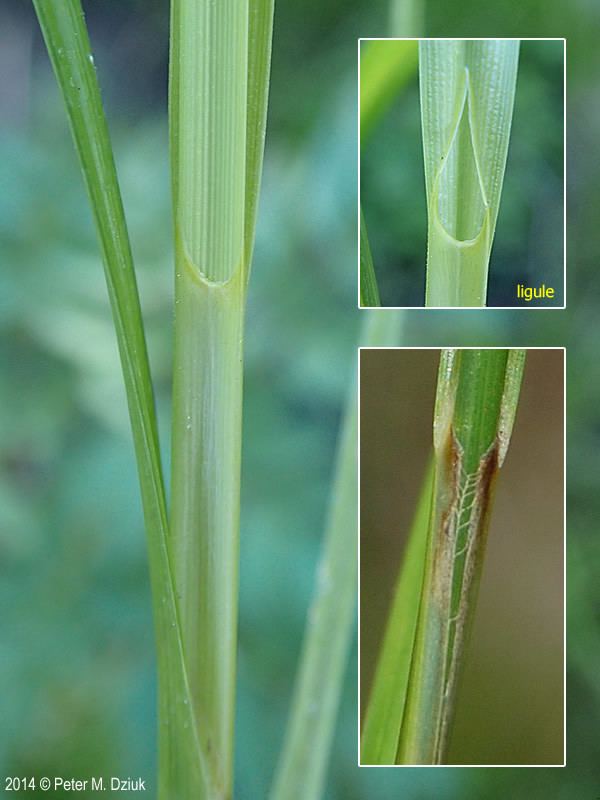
[462, 557]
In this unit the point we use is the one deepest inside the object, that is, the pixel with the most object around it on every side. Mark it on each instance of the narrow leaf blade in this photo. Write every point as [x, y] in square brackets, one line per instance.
[260, 34]
[63, 27]
[369, 291]
[383, 720]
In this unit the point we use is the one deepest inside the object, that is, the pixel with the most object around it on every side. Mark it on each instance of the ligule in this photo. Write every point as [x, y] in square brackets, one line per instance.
[467, 96]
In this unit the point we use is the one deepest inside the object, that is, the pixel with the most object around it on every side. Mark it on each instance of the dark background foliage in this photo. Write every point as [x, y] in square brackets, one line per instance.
[76, 650]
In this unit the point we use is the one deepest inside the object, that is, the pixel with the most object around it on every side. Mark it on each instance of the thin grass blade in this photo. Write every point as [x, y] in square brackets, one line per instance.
[260, 36]
[66, 38]
[369, 291]
[383, 720]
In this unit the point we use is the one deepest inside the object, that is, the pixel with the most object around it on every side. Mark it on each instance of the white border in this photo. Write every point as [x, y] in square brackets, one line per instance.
[470, 766]
[470, 308]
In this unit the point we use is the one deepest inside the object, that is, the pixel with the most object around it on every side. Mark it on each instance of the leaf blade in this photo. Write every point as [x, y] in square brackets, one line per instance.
[369, 291]
[65, 34]
[385, 710]
[260, 35]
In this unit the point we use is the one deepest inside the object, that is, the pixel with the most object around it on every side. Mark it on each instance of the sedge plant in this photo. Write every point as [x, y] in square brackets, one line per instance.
[413, 697]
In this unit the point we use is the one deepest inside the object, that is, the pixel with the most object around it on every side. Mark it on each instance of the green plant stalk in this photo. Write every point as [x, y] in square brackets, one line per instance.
[383, 718]
[66, 38]
[206, 430]
[302, 765]
[476, 402]
[369, 291]
[218, 98]
[467, 97]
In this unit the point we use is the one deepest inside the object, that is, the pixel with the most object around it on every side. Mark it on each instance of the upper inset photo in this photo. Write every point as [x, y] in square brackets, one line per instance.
[461, 176]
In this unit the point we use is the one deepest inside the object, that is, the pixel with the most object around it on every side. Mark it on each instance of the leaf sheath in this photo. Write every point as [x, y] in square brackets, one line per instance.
[477, 389]
[219, 74]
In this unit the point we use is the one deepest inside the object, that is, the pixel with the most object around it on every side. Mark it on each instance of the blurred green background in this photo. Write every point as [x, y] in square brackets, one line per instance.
[529, 242]
[511, 701]
[76, 651]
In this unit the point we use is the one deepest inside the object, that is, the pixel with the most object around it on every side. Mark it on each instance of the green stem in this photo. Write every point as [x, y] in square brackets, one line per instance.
[207, 422]
[220, 54]
[467, 97]
[208, 95]
[476, 403]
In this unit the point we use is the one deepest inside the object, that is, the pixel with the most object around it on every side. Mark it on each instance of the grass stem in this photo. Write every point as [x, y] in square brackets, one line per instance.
[220, 54]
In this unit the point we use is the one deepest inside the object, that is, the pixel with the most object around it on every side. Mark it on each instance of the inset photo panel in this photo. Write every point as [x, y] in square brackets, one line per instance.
[461, 173]
[461, 557]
